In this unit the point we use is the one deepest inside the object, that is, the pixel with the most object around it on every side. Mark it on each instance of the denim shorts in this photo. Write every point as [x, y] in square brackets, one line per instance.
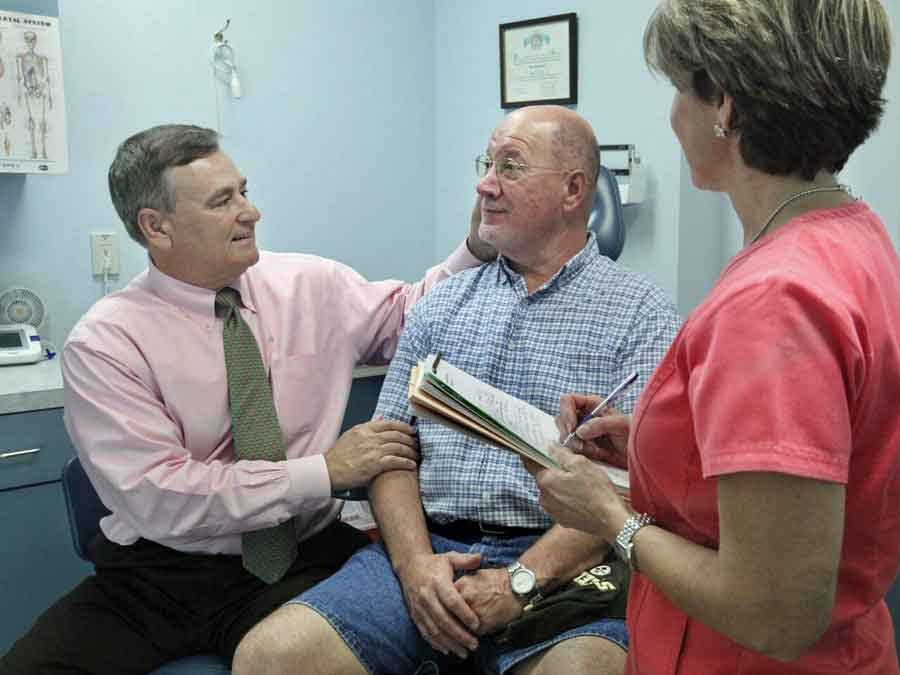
[364, 603]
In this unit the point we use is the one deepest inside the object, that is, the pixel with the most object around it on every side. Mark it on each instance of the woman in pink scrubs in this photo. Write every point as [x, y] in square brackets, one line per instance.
[764, 452]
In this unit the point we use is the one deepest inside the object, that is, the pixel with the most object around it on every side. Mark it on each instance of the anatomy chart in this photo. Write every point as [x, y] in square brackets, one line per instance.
[32, 108]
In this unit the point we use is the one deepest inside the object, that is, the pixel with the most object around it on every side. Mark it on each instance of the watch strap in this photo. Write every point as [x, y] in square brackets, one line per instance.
[624, 544]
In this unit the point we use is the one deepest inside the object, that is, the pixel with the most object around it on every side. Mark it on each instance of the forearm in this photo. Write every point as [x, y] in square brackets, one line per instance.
[163, 495]
[397, 506]
[771, 584]
[561, 555]
[692, 578]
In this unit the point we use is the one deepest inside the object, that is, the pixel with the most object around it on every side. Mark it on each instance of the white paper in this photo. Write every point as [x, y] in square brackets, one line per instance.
[525, 420]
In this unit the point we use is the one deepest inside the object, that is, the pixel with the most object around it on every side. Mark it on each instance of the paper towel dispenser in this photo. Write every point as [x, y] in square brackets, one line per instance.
[624, 162]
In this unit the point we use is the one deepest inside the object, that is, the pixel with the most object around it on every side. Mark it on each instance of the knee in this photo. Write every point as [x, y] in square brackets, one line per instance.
[272, 646]
[281, 643]
[589, 655]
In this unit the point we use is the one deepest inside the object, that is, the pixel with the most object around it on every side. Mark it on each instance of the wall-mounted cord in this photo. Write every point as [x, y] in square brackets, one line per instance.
[223, 61]
[107, 265]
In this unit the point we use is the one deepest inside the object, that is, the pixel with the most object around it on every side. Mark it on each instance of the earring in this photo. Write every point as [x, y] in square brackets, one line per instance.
[719, 131]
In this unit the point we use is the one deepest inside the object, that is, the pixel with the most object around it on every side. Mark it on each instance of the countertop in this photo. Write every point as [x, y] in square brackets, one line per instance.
[34, 386]
[38, 386]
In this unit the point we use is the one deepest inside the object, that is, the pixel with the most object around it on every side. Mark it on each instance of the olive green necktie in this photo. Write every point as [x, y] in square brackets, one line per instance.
[267, 553]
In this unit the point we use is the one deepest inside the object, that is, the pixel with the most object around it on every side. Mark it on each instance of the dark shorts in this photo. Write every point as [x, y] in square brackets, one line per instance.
[364, 603]
[147, 604]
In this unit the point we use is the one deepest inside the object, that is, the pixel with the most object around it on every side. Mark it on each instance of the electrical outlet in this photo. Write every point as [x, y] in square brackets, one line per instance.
[105, 253]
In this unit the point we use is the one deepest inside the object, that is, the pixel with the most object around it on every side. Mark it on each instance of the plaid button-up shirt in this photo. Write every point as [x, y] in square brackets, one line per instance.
[583, 331]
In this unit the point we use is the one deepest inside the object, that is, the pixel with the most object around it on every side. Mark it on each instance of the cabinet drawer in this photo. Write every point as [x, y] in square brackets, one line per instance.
[41, 439]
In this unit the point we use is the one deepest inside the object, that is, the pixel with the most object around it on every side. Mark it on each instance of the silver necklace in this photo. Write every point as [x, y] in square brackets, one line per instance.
[793, 198]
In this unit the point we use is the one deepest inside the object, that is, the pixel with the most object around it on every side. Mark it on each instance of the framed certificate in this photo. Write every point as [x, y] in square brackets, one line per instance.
[539, 61]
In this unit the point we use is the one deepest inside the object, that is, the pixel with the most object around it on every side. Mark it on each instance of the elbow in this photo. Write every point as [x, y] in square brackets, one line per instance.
[789, 637]
[790, 650]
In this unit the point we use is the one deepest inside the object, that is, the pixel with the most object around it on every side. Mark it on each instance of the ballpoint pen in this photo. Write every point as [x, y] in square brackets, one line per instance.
[622, 386]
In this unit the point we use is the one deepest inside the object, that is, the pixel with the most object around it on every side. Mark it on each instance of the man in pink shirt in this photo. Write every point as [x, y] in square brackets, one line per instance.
[147, 407]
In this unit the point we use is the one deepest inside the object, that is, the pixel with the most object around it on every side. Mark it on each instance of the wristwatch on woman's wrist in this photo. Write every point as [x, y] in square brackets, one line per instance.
[624, 543]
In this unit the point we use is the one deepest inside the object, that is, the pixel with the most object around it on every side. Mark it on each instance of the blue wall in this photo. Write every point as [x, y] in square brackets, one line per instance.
[335, 132]
[617, 94]
[679, 237]
[357, 130]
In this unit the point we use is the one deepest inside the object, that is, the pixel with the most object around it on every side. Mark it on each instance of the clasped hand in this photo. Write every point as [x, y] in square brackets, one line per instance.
[452, 612]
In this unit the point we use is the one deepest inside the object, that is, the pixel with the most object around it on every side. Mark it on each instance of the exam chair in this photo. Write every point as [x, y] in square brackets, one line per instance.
[606, 219]
[893, 602]
[85, 510]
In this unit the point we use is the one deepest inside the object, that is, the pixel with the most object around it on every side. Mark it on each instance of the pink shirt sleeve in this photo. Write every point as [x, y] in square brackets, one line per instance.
[377, 310]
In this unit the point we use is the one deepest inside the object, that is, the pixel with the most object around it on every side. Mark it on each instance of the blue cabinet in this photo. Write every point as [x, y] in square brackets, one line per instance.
[38, 562]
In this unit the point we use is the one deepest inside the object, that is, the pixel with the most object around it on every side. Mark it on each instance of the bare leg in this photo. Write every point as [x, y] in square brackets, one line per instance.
[586, 654]
[294, 639]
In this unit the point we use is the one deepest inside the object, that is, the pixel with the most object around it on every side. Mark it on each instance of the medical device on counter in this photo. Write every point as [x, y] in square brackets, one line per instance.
[19, 343]
[21, 314]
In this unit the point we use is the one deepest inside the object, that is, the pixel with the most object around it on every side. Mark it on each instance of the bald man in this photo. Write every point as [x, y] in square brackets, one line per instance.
[548, 316]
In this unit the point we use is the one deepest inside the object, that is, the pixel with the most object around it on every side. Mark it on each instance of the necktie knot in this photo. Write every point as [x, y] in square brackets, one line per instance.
[227, 301]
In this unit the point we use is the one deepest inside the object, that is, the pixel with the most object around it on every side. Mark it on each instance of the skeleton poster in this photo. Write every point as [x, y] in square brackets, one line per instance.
[32, 108]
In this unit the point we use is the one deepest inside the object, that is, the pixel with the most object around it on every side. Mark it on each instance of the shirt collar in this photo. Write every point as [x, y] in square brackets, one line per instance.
[194, 298]
[564, 275]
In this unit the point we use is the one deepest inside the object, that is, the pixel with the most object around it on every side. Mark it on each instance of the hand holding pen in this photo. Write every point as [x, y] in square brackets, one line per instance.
[616, 392]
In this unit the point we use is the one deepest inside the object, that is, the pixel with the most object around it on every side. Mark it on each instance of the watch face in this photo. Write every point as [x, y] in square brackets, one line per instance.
[522, 582]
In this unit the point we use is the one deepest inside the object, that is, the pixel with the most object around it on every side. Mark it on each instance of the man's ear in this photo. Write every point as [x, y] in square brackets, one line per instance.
[576, 190]
[155, 228]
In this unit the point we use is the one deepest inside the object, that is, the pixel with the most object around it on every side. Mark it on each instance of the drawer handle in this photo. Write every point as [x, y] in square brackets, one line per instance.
[19, 453]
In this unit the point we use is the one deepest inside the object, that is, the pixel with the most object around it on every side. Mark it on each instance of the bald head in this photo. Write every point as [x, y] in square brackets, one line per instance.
[569, 135]
[538, 189]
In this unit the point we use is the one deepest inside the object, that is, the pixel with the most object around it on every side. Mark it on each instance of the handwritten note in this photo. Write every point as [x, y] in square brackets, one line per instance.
[526, 427]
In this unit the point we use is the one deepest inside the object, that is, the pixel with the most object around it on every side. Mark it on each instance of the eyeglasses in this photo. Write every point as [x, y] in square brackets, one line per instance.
[507, 169]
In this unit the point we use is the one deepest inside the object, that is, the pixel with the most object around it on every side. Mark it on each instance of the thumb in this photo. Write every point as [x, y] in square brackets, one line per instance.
[464, 562]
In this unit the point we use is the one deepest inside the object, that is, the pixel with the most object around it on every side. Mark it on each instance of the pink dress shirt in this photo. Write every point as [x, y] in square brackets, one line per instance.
[146, 398]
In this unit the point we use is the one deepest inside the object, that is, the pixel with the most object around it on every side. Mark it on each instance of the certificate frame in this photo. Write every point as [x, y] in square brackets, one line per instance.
[539, 61]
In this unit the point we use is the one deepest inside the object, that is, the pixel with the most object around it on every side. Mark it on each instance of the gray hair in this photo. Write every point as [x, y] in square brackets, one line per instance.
[137, 174]
[806, 76]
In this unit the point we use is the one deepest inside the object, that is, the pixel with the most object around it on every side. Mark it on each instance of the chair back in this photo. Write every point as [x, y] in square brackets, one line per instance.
[85, 510]
[83, 507]
[893, 602]
[606, 219]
